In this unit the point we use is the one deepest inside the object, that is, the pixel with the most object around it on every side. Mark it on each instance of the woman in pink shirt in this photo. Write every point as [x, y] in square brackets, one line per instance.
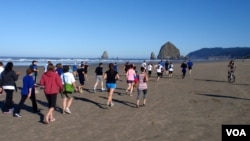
[130, 79]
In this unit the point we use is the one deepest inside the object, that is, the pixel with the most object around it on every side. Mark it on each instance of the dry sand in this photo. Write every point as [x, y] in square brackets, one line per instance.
[190, 109]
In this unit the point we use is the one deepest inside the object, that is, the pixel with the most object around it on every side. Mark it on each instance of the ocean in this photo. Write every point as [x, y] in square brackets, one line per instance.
[42, 61]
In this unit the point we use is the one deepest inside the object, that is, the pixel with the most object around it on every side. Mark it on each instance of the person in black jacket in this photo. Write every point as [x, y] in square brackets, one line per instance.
[7, 82]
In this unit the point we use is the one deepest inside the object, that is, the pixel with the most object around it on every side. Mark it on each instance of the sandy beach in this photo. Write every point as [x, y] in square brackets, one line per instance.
[190, 109]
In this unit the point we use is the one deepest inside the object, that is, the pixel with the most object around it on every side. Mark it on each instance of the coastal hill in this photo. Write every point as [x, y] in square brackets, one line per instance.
[169, 51]
[220, 53]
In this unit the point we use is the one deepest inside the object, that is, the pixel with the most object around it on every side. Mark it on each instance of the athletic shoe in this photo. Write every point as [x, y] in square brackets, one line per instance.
[112, 104]
[94, 90]
[67, 111]
[103, 89]
[17, 115]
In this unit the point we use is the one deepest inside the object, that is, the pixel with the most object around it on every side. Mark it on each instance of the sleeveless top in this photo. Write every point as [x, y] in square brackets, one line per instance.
[142, 85]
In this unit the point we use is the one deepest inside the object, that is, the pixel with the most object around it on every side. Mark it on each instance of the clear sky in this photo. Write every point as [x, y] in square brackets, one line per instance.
[123, 28]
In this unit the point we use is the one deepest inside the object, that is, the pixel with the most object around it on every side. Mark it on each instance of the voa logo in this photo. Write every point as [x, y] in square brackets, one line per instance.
[236, 132]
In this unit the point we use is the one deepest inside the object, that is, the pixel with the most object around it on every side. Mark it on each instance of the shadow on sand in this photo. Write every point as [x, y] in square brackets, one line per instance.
[130, 104]
[90, 101]
[222, 96]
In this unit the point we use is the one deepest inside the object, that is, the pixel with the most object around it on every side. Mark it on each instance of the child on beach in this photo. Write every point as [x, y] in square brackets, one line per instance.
[111, 76]
[142, 87]
[28, 91]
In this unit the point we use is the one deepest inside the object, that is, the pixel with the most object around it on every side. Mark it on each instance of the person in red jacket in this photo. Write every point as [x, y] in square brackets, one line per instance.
[52, 84]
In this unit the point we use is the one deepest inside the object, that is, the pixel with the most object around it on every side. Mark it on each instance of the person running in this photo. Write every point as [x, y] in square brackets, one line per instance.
[111, 76]
[167, 67]
[67, 78]
[144, 64]
[142, 87]
[81, 75]
[170, 69]
[52, 84]
[159, 71]
[28, 91]
[150, 67]
[190, 66]
[184, 69]
[99, 77]
[130, 79]
[8, 84]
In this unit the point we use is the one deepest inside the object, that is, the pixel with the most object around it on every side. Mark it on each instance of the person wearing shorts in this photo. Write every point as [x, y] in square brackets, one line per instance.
[68, 78]
[111, 76]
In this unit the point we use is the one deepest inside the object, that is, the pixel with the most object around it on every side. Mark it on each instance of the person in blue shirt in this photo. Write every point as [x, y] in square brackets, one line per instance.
[35, 70]
[28, 91]
[190, 66]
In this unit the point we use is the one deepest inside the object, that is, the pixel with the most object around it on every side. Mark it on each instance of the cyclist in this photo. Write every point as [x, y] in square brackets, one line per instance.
[231, 68]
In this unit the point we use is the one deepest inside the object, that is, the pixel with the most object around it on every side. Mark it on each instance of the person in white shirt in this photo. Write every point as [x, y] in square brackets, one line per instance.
[159, 71]
[67, 78]
[150, 66]
[170, 69]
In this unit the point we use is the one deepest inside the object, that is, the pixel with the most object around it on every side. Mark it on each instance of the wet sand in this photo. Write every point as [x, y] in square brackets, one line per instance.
[191, 109]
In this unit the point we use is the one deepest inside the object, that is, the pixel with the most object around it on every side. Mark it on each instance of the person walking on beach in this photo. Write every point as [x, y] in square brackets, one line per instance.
[130, 79]
[8, 84]
[1, 68]
[190, 66]
[35, 70]
[184, 69]
[81, 76]
[28, 91]
[46, 66]
[67, 78]
[59, 69]
[99, 77]
[142, 87]
[52, 84]
[111, 76]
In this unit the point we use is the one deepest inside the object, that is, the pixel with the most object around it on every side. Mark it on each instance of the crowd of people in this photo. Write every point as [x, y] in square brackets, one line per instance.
[61, 79]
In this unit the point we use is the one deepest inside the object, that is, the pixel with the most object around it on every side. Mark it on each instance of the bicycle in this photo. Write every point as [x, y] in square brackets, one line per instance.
[231, 76]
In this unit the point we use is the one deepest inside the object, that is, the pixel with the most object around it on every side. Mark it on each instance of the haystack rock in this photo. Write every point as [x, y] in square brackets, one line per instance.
[105, 55]
[152, 56]
[169, 51]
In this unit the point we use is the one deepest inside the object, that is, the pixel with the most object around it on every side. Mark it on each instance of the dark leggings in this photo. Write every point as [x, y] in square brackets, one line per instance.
[51, 100]
[8, 101]
[23, 99]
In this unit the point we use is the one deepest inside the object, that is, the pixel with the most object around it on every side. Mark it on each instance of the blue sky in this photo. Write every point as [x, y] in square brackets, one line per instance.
[123, 28]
